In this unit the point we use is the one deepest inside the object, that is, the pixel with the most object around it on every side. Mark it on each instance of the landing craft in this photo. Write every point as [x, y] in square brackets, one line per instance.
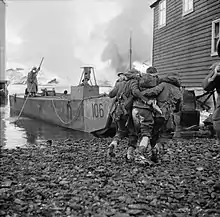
[84, 109]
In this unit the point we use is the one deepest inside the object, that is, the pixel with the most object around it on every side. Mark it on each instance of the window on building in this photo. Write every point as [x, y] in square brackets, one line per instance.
[162, 13]
[215, 35]
[187, 6]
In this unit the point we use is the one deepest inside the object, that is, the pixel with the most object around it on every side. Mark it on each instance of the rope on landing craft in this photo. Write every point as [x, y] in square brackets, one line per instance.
[75, 117]
[77, 111]
[64, 122]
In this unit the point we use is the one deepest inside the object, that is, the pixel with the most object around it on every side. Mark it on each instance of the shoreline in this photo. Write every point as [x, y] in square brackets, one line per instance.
[75, 178]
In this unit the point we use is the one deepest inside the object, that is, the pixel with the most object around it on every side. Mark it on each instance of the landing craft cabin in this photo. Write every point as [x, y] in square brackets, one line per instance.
[185, 34]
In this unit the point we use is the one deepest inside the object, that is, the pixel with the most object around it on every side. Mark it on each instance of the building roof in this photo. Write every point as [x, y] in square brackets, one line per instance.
[155, 3]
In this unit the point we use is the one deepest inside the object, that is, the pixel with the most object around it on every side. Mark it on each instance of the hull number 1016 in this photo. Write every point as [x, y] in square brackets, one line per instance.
[97, 110]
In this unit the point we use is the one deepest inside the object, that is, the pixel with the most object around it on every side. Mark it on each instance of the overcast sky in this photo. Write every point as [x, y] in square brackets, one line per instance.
[70, 33]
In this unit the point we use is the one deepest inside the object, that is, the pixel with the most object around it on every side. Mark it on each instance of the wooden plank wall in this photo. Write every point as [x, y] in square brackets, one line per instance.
[184, 44]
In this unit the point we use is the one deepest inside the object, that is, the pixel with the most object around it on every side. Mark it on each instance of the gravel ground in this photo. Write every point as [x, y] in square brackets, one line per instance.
[75, 178]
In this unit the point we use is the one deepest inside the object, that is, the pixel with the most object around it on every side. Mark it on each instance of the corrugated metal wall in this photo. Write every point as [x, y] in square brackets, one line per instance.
[184, 44]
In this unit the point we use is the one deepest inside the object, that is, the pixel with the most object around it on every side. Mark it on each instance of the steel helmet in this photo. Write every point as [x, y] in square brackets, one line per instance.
[120, 73]
[34, 69]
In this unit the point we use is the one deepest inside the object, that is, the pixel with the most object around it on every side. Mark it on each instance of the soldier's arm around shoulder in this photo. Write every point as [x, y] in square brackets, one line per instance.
[114, 91]
[134, 87]
[155, 91]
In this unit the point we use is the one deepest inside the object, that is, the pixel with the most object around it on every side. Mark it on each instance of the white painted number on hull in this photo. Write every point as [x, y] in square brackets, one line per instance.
[97, 110]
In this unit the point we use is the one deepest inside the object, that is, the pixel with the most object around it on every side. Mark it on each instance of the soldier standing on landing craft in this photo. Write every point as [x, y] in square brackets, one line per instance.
[32, 84]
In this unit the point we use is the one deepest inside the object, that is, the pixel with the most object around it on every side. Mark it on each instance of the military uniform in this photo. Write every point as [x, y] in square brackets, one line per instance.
[118, 113]
[32, 84]
[141, 111]
[210, 83]
[143, 117]
[169, 97]
[122, 114]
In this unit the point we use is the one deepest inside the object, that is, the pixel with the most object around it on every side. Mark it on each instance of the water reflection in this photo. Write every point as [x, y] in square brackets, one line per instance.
[27, 131]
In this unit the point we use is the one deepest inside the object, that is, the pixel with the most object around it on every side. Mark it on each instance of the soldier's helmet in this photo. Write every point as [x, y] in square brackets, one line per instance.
[34, 69]
[218, 47]
[151, 70]
[120, 73]
[132, 73]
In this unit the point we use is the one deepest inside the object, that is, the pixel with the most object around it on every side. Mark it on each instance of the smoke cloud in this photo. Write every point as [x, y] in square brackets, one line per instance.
[135, 19]
[70, 34]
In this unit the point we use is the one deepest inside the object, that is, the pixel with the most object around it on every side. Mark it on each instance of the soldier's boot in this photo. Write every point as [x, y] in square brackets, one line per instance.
[177, 123]
[144, 152]
[130, 154]
[111, 148]
[156, 151]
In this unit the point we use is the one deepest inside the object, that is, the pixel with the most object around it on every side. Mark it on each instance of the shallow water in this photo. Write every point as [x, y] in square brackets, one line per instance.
[28, 131]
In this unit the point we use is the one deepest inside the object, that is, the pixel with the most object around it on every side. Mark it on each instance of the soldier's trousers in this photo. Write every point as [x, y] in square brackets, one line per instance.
[143, 121]
[125, 128]
[158, 127]
[216, 125]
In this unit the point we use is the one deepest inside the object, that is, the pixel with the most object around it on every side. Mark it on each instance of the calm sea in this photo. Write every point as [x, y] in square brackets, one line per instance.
[27, 131]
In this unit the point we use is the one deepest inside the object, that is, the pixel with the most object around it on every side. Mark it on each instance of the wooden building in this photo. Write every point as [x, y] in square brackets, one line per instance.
[185, 34]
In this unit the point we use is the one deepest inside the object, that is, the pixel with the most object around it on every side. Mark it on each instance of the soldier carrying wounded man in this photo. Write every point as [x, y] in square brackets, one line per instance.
[135, 110]
[125, 91]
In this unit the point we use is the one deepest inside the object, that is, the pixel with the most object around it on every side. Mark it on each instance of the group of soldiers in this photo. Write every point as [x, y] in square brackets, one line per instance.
[143, 105]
